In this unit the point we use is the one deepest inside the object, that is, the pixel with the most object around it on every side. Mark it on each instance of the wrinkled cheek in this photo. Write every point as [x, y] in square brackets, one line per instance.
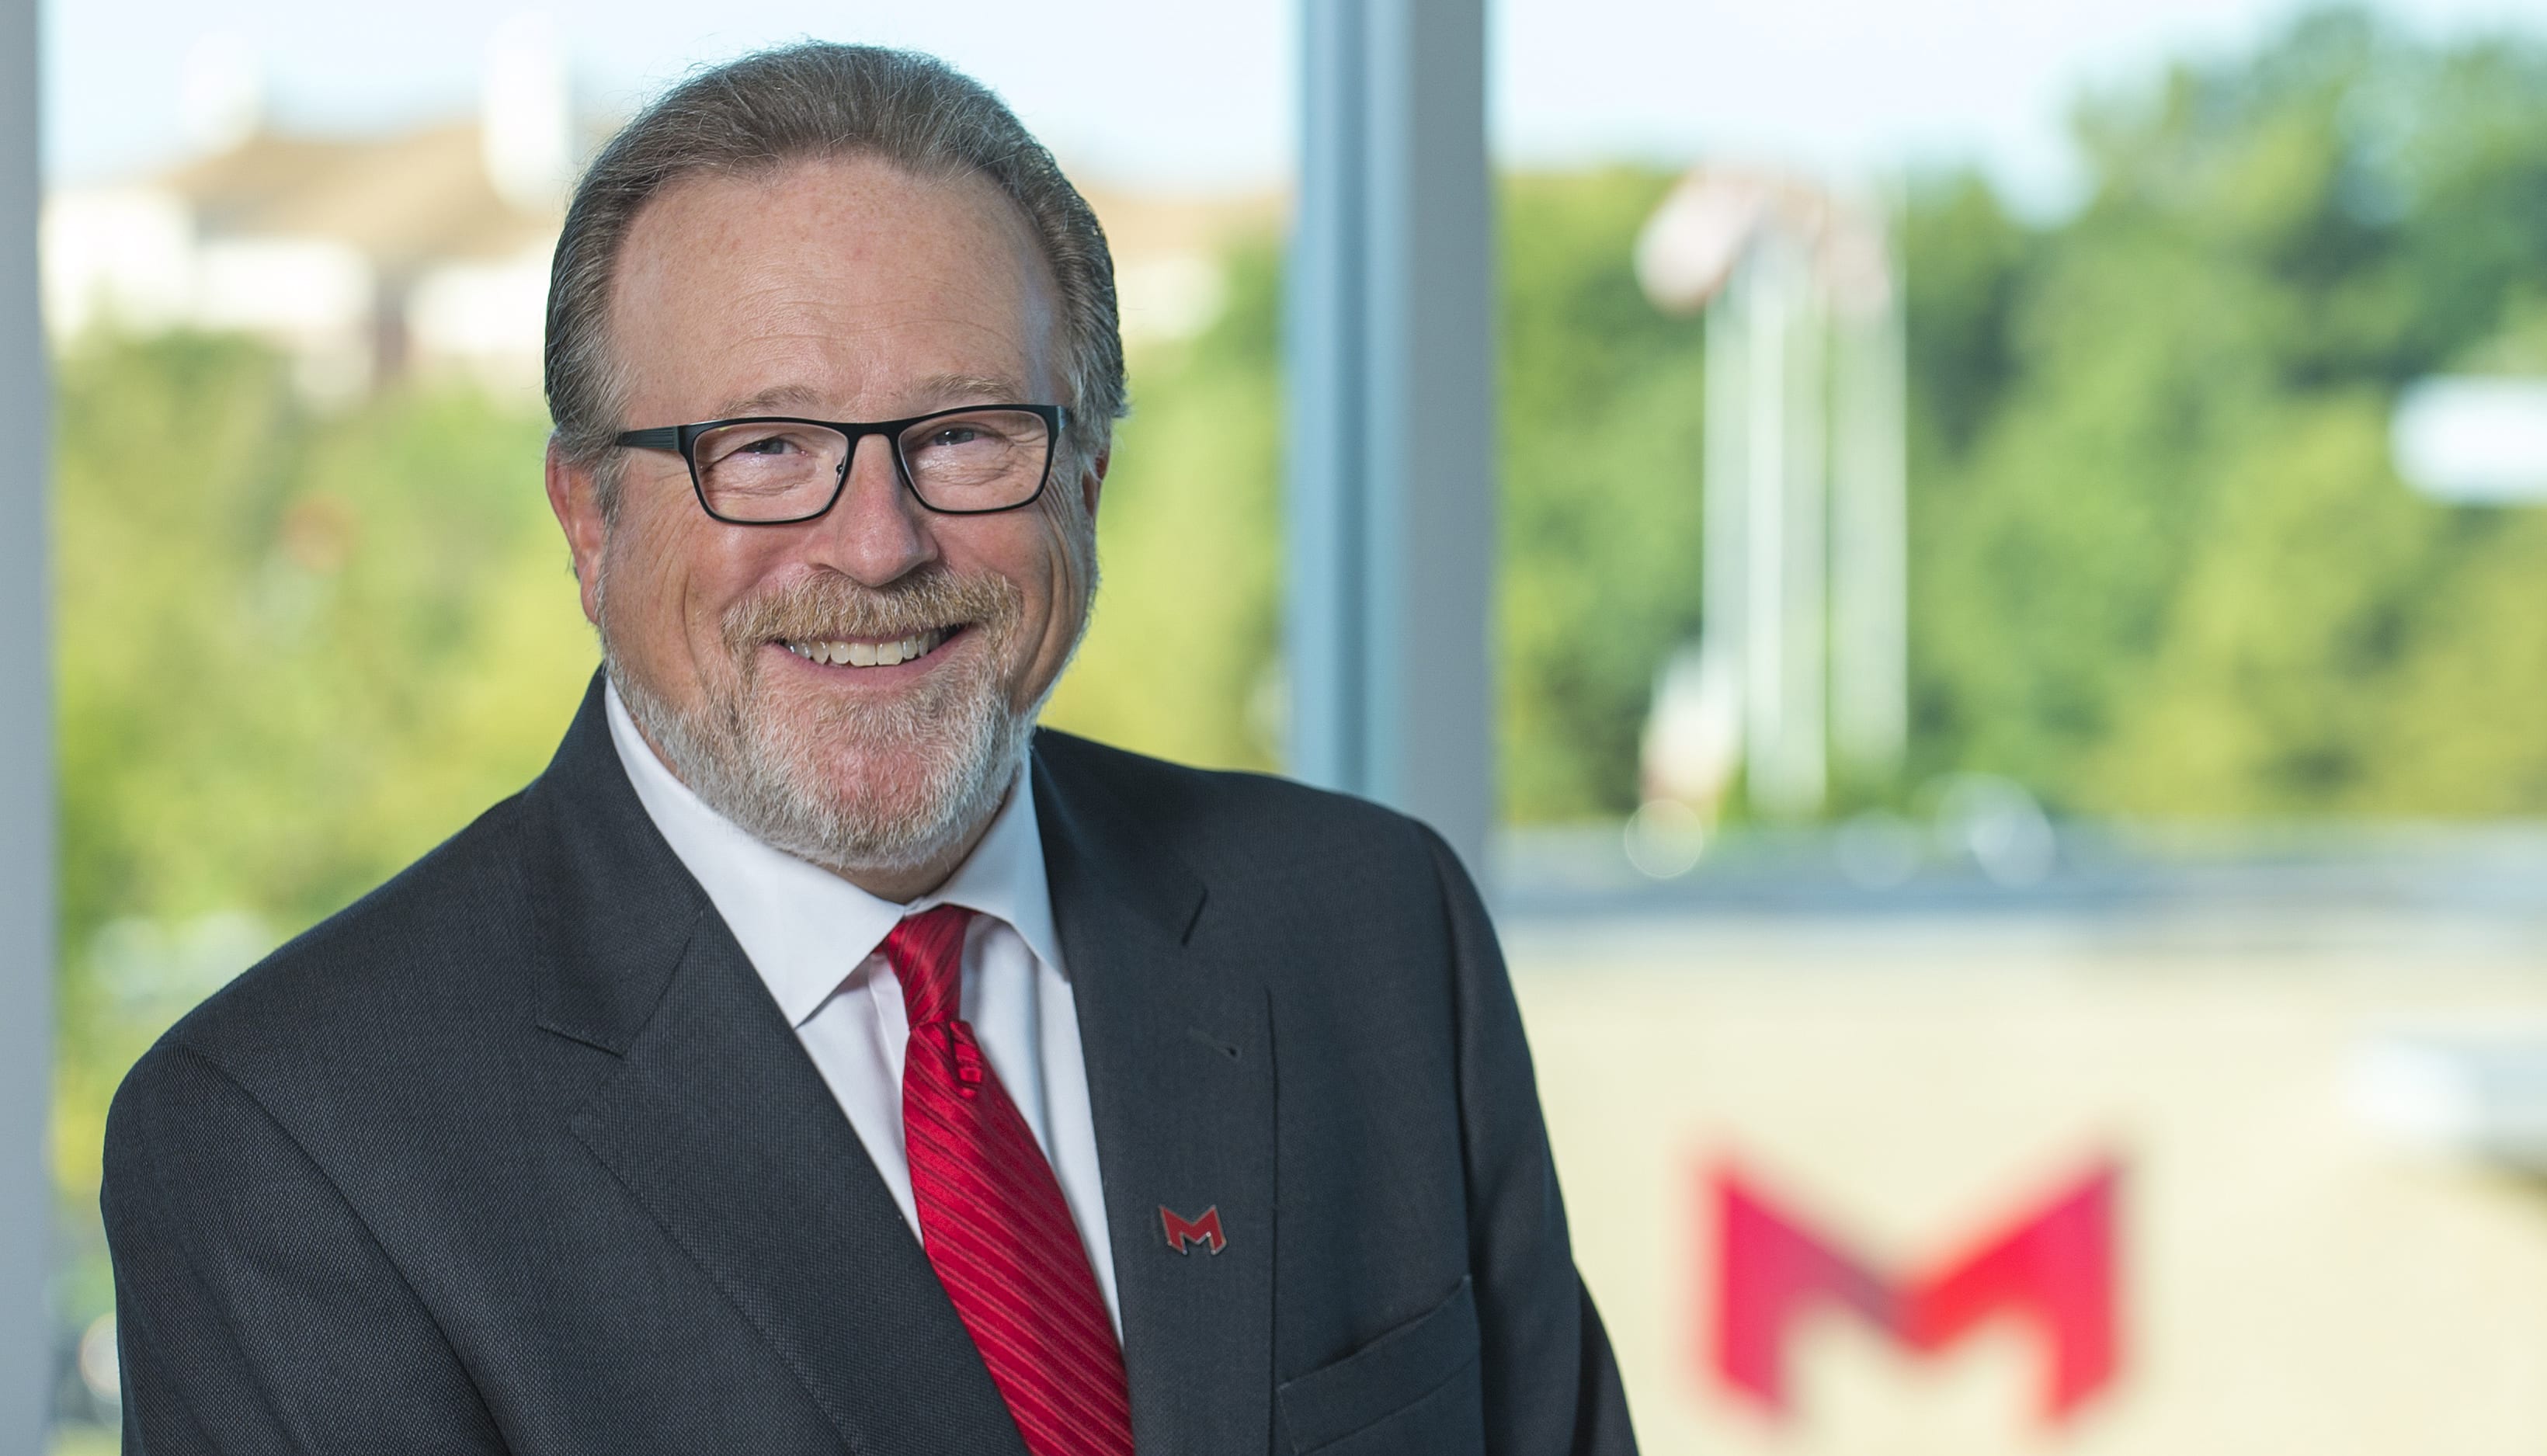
[639, 611]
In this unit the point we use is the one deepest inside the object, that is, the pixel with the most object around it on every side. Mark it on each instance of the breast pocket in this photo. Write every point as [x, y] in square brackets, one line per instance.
[1412, 1392]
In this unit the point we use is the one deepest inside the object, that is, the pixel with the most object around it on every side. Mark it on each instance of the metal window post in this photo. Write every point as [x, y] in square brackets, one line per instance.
[25, 764]
[1390, 473]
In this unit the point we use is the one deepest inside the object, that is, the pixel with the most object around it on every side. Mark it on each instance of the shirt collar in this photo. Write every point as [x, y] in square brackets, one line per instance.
[805, 929]
[1004, 875]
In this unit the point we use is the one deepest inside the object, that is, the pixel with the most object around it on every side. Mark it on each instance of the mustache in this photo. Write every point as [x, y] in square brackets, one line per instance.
[831, 606]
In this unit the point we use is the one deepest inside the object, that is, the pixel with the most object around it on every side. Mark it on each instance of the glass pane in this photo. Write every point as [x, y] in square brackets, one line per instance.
[2022, 538]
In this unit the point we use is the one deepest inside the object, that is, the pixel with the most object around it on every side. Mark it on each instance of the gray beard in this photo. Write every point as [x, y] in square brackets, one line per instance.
[767, 773]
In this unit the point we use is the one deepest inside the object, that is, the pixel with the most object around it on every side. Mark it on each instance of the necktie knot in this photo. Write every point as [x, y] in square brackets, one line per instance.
[926, 954]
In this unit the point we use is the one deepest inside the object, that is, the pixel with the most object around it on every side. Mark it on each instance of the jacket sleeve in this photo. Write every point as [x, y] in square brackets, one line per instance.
[254, 1310]
[1550, 1383]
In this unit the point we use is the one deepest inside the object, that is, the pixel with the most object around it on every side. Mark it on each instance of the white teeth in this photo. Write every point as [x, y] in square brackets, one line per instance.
[869, 655]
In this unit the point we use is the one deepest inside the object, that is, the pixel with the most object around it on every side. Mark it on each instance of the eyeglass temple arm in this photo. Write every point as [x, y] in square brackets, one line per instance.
[666, 437]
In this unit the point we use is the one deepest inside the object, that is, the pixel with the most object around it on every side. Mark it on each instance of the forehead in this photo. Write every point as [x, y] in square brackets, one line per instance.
[840, 278]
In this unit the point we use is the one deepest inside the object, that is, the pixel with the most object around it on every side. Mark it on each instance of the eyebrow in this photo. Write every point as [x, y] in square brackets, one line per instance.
[947, 391]
[777, 399]
[973, 388]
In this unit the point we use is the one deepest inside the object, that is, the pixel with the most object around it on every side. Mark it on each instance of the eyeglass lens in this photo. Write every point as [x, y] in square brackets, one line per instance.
[774, 470]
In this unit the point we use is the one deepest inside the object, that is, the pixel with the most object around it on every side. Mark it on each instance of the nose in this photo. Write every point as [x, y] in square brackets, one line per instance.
[876, 532]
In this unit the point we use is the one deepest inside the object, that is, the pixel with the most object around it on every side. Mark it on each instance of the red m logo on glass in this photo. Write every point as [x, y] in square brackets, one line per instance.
[2051, 1266]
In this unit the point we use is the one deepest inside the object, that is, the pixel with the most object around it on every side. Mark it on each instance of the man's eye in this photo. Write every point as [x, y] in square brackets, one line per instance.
[767, 445]
[956, 435]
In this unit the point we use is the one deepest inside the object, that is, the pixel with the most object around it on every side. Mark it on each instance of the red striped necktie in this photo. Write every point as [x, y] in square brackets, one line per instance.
[993, 1218]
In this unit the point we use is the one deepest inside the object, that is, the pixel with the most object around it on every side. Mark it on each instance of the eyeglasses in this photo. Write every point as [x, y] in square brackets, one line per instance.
[773, 471]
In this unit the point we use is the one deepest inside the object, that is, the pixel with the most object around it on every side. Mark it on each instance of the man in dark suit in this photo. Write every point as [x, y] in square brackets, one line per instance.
[815, 1056]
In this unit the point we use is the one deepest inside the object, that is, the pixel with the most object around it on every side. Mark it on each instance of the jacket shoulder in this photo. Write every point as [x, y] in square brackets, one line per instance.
[1265, 827]
[1215, 798]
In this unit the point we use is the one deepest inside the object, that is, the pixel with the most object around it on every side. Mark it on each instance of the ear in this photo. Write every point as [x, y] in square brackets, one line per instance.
[574, 497]
[1092, 482]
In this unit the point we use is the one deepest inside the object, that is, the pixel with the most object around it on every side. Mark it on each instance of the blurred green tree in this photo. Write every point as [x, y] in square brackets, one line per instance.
[1601, 462]
[293, 651]
[1181, 659]
[2162, 565]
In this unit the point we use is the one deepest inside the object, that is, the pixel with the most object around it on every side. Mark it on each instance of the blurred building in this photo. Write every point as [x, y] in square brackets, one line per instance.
[426, 252]
[2156, 1156]
[363, 259]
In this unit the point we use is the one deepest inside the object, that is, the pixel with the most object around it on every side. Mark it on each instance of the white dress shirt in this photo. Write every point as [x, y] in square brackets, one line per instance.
[815, 938]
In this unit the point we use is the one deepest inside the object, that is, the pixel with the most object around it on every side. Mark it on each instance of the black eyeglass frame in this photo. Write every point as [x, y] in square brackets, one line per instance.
[683, 440]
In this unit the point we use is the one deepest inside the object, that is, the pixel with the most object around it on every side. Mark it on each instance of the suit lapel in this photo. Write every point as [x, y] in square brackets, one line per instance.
[1181, 1083]
[718, 1125]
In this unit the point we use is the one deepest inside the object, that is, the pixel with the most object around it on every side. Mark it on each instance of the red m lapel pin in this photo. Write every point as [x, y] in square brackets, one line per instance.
[1183, 1233]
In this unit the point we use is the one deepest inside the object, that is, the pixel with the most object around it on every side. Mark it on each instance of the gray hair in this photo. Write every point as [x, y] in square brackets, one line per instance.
[816, 100]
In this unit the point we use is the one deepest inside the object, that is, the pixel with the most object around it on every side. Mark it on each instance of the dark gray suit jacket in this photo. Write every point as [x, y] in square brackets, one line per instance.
[517, 1154]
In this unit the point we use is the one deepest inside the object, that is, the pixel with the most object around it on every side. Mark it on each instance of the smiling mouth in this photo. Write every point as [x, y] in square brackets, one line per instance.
[850, 652]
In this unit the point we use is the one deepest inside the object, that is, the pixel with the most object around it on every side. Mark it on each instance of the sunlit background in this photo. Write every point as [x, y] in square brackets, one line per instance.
[2021, 630]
